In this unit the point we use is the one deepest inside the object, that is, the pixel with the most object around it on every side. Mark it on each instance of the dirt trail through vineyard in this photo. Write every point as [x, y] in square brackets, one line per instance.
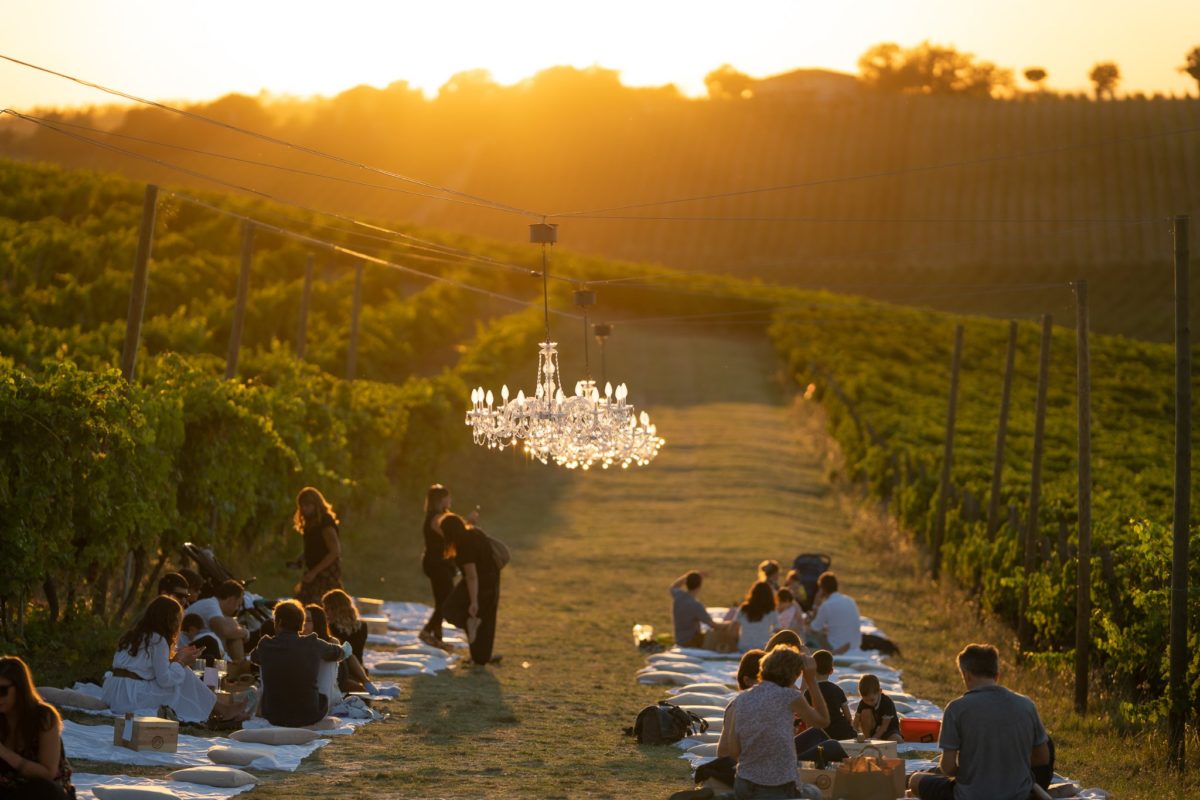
[744, 476]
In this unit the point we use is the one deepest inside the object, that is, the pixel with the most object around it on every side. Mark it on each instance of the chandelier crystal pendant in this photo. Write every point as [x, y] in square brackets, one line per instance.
[575, 431]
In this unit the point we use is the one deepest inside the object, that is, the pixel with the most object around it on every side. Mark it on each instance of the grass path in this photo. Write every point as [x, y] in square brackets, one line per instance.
[747, 474]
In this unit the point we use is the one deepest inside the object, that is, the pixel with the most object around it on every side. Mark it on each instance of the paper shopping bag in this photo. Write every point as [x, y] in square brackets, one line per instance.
[869, 778]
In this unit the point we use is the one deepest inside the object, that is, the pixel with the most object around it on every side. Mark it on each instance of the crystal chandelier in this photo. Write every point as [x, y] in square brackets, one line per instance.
[575, 431]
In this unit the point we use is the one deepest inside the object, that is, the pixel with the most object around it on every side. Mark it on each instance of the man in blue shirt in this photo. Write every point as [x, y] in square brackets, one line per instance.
[991, 738]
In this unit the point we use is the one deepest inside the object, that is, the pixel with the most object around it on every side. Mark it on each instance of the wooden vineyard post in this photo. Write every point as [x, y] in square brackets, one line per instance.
[352, 350]
[1178, 687]
[1029, 535]
[993, 514]
[1083, 589]
[239, 308]
[302, 326]
[939, 531]
[137, 293]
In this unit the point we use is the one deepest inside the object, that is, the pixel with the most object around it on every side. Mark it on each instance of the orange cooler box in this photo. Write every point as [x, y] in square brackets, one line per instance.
[920, 730]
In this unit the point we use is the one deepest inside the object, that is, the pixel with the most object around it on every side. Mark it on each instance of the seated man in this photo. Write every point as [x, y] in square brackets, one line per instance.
[290, 665]
[175, 585]
[991, 737]
[837, 625]
[687, 611]
[218, 615]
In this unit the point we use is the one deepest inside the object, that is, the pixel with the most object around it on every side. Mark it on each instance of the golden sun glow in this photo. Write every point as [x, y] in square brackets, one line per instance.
[196, 51]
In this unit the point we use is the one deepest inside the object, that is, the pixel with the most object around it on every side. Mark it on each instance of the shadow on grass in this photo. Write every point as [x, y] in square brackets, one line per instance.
[466, 702]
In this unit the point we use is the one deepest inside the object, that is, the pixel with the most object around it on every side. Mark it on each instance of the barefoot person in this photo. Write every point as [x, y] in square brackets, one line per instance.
[33, 764]
[481, 577]
[439, 569]
[322, 557]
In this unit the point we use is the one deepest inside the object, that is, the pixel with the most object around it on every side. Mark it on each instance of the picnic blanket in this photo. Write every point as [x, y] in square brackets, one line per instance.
[94, 743]
[689, 667]
[85, 781]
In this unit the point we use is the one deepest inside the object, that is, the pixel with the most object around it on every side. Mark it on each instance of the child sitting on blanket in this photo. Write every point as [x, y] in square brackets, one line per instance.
[194, 632]
[876, 715]
[791, 616]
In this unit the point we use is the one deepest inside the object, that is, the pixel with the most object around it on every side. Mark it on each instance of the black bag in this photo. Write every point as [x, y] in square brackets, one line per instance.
[665, 723]
[871, 641]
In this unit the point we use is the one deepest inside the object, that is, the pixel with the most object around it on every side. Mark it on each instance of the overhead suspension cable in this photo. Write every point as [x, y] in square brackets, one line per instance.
[56, 126]
[456, 196]
[338, 248]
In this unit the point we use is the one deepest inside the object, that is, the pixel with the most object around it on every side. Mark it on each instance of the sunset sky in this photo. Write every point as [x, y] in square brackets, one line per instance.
[203, 50]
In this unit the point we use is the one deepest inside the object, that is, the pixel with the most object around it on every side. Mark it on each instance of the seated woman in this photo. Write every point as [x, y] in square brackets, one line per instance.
[290, 665]
[758, 727]
[33, 764]
[345, 626]
[327, 674]
[149, 673]
[756, 619]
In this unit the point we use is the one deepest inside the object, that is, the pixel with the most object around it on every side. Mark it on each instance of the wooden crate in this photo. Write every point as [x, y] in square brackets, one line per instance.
[148, 733]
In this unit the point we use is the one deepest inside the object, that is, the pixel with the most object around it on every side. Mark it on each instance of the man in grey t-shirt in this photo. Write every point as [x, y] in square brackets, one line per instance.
[687, 612]
[991, 738]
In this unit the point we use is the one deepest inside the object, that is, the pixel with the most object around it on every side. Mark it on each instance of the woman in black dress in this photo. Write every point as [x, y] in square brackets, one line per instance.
[322, 558]
[437, 567]
[472, 551]
[33, 764]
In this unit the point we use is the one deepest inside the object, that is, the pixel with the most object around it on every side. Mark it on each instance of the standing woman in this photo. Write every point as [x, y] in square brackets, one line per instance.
[322, 558]
[472, 551]
[33, 764]
[437, 567]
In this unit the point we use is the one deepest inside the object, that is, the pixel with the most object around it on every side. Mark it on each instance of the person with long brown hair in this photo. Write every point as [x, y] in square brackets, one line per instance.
[322, 556]
[480, 584]
[437, 567]
[149, 673]
[33, 764]
[756, 618]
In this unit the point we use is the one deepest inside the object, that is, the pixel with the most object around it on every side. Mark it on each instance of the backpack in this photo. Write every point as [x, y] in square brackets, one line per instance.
[665, 723]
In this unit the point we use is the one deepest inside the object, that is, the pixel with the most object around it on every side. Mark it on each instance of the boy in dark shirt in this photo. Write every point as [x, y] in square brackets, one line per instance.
[840, 724]
[876, 715]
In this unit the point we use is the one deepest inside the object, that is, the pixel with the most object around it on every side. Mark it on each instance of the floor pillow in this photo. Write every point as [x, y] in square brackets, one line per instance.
[701, 699]
[237, 756]
[274, 735]
[221, 777]
[705, 688]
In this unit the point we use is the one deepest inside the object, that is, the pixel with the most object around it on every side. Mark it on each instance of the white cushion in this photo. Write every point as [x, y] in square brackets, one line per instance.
[704, 711]
[103, 792]
[237, 756]
[665, 678]
[707, 688]
[221, 777]
[71, 698]
[699, 699]
[706, 750]
[327, 724]
[274, 735]
[674, 666]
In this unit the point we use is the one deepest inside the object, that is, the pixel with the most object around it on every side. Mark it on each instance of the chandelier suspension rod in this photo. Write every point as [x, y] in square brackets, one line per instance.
[545, 291]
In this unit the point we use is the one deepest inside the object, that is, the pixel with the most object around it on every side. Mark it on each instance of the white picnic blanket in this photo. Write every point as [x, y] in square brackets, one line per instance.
[85, 781]
[94, 743]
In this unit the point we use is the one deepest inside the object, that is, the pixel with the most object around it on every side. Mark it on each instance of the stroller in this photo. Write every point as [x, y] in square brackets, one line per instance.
[252, 616]
[809, 566]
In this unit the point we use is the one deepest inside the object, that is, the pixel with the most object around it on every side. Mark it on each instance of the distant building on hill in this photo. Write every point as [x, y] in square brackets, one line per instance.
[808, 85]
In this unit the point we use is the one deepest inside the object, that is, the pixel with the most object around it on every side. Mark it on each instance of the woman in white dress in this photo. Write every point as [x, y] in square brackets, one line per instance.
[149, 673]
[756, 617]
